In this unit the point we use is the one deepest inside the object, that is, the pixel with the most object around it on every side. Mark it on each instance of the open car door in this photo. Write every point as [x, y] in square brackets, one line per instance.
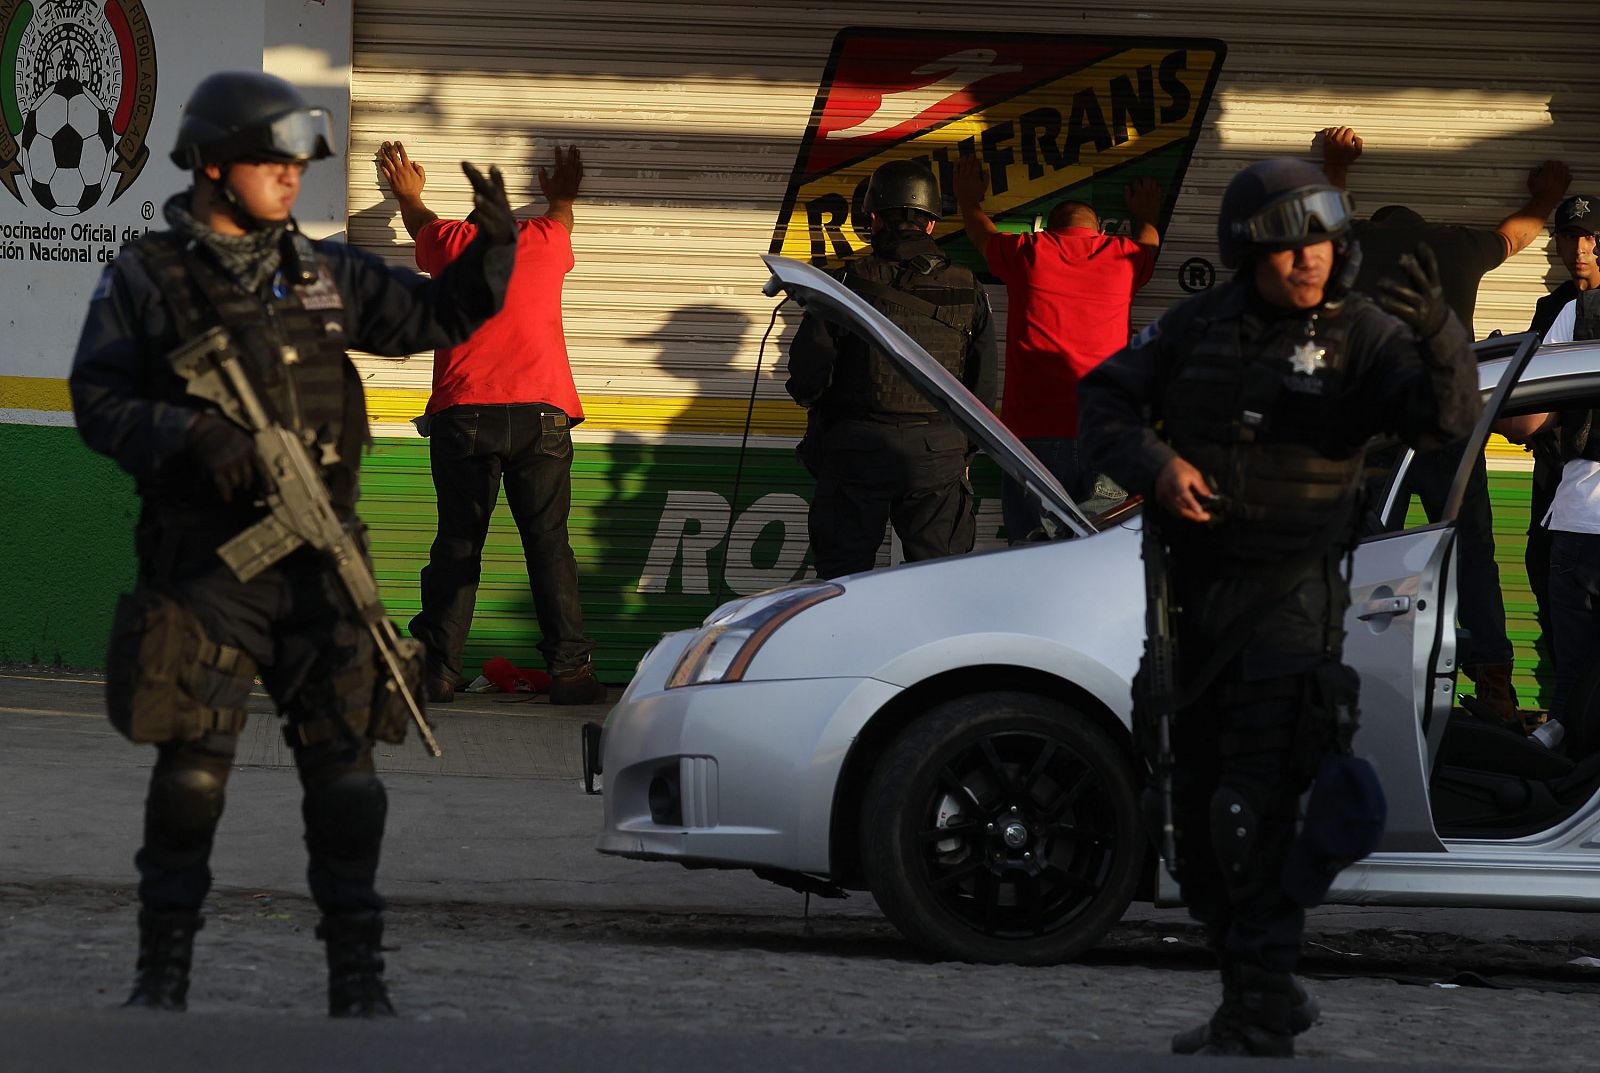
[1400, 630]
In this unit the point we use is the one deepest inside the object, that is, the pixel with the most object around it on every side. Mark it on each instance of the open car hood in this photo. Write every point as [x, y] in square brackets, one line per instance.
[821, 295]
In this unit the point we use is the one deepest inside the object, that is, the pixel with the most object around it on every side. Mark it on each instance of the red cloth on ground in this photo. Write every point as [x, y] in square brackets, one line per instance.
[509, 678]
[520, 353]
[1069, 291]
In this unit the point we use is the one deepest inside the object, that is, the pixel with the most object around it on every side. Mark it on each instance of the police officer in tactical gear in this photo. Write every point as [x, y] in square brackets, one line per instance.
[879, 450]
[1241, 416]
[189, 641]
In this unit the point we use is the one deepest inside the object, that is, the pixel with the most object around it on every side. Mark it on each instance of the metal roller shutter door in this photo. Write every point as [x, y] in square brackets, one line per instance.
[690, 117]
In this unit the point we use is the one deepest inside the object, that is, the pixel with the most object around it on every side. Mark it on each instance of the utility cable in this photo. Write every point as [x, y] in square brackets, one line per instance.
[744, 443]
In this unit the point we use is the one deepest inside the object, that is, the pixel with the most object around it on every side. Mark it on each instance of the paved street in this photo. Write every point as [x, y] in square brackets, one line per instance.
[510, 938]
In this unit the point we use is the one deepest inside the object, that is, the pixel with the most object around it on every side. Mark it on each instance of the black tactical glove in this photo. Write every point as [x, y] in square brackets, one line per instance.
[1421, 304]
[227, 456]
[491, 212]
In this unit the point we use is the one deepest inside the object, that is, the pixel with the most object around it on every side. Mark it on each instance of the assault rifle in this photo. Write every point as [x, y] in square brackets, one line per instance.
[302, 512]
[1155, 702]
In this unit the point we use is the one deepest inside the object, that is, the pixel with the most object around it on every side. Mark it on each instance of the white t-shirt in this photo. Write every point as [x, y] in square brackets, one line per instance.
[1576, 506]
[1561, 328]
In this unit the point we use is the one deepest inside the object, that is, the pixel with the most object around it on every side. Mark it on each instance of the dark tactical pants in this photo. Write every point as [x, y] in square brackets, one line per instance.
[472, 451]
[319, 667]
[1480, 607]
[872, 471]
[1245, 751]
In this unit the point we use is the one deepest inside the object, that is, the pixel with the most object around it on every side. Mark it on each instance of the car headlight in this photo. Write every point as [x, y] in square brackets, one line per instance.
[735, 632]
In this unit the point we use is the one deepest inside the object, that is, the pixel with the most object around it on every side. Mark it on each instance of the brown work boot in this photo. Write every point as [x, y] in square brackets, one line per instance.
[440, 689]
[1497, 697]
[577, 685]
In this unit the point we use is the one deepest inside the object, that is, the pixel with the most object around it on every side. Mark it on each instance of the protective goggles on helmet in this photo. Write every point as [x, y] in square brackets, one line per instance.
[305, 134]
[1299, 219]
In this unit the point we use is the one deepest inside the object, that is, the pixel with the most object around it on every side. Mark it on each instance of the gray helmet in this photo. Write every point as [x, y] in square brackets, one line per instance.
[249, 116]
[1279, 204]
[903, 184]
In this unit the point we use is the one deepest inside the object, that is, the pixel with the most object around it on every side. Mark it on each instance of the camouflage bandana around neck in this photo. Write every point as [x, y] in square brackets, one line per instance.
[250, 258]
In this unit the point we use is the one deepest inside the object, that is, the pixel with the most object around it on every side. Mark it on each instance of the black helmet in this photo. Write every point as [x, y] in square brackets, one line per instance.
[249, 115]
[1279, 204]
[903, 184]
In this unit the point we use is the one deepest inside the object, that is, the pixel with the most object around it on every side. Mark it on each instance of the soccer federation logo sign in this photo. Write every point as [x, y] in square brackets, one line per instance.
[77, 90]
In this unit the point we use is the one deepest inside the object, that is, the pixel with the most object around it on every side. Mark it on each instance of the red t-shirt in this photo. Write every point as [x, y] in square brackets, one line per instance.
[520, 353]
[1070, 290]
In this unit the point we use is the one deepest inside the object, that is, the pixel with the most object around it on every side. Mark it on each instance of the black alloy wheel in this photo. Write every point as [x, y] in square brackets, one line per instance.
[1003, 827]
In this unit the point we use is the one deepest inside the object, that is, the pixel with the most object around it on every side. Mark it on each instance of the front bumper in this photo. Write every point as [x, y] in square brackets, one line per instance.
[740, 774]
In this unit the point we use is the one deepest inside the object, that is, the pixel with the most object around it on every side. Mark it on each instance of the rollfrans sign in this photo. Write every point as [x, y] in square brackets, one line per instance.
[1053, 118]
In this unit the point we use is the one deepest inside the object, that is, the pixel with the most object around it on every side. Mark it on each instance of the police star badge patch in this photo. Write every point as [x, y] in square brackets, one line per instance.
[1308, 358]
[1580, 207]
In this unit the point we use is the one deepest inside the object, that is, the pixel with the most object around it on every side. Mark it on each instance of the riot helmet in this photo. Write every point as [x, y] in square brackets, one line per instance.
[902, 184]
[1279, 204]
[250, 116]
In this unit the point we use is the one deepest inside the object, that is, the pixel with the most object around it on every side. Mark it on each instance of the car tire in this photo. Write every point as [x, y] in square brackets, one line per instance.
[1003, 828]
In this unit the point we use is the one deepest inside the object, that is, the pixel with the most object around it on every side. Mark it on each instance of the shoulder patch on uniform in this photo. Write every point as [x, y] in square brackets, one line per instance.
[102, 287]
[323, 294]
[1147, 335]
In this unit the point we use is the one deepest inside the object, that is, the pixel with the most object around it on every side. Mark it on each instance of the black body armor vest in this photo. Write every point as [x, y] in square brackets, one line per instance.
[294, 346]
[932, 301]
[1265, 430]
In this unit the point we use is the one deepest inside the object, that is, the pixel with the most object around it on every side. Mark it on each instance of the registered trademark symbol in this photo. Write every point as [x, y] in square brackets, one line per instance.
[1196, 274]
[148, 210]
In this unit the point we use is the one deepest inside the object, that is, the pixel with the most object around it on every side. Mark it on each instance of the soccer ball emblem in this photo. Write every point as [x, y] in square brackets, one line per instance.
[67, 144]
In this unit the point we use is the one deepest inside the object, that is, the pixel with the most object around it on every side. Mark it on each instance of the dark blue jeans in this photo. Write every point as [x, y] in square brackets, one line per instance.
[472, 450]
[1480, 607]
[1060, 457]
[1573, 601]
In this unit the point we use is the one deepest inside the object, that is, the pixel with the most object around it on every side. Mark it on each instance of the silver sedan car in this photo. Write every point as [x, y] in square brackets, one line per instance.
[954, 735]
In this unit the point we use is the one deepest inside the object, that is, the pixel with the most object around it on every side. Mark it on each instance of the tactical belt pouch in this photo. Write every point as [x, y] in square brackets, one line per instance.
[165, 680]
[1329, 716]
[390, 716]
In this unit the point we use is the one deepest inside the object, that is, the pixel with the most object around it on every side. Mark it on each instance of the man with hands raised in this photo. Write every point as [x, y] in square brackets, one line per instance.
[502, 411]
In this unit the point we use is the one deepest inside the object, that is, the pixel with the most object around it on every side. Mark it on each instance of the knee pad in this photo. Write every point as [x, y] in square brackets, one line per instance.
[1235, 827]
[184, 806]
[345, 813]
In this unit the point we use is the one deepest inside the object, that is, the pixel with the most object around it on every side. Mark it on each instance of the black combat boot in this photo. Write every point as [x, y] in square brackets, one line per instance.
[355, 965]
[1302, 1015]
[166, 947]
[1259, 1021]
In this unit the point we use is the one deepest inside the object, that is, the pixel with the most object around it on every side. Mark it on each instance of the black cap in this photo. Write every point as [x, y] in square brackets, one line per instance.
[1580, 212]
